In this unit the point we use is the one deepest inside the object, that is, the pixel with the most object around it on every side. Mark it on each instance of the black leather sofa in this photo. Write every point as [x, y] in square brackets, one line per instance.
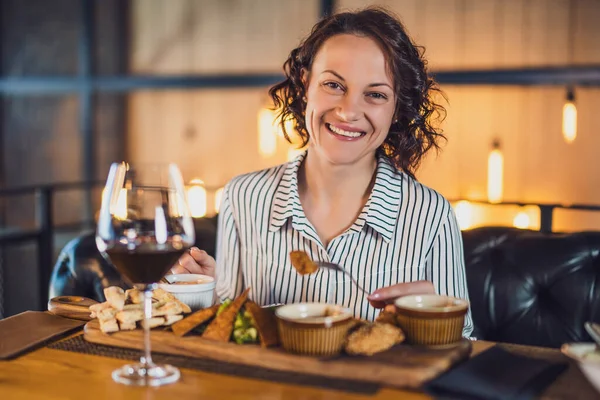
[525, 286]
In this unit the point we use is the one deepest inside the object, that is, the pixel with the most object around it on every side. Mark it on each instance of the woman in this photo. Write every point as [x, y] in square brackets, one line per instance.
[358, 91]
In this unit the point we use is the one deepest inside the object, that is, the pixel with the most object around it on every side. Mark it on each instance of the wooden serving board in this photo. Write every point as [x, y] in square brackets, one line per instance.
[403, 366]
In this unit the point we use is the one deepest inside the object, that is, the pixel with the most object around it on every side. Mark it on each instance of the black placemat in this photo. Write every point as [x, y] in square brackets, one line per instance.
[79, 345]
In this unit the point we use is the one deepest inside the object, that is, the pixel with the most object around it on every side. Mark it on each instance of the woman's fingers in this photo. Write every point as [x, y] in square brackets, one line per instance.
[386, 295]
[206, 262]
[186, 265]
[195, 261]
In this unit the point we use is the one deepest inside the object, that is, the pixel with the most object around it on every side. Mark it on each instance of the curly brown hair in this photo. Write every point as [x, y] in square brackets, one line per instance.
[412, 134]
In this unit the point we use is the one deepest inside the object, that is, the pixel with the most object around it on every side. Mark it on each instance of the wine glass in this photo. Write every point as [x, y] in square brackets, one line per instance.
[144, 227]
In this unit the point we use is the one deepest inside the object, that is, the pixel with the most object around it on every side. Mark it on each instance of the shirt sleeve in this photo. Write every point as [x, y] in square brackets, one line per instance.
[229, 280]
[445, 265]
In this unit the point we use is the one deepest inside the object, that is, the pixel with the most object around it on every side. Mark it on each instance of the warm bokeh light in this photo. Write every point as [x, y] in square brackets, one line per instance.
[522, 220]
[464, 214]
[293, 153]
[495, 175]
[218, 199]
[196, 194]
[267, 132]
[569, 122]
[119, 210]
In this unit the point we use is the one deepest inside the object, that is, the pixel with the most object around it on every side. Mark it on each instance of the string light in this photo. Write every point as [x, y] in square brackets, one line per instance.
[569, 120]
[495, 174]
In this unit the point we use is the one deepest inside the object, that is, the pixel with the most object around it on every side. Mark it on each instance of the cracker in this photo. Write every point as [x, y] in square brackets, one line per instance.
[302, 262]
[221, 327]
[265, 322]
[171, 308]
[162, 295]
[106, 314]
[99, 306]
[182, 327]
[130, 316]
[136, 296]
[115, 296]
[171, 319]
[153, 322]
[127, 326]
[109, 325]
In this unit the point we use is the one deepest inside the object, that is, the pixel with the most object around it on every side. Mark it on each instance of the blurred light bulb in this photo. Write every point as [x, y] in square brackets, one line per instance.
[119, 210]
[569, 120]
[464, 214]
[522, 220]
[495, 174]
[196, 194]
[267, 132]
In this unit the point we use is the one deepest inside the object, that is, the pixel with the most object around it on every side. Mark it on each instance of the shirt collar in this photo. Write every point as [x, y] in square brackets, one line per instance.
[286, 202]
[381, 209]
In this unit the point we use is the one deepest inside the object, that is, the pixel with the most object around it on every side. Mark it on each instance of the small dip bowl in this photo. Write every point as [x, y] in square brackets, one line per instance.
[195, 290]
[431, 319]
[318, 329]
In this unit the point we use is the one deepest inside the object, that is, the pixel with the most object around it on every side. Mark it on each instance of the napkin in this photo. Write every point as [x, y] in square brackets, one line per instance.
[31, 329]
[496, 374]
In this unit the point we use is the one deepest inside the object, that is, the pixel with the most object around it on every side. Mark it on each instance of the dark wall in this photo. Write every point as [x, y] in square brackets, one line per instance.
[41, 141]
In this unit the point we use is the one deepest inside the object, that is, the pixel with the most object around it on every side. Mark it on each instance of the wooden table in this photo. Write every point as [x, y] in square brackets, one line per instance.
[56, 374]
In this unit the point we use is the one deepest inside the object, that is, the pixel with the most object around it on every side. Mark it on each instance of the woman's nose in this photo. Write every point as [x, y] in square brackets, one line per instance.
[349, 108]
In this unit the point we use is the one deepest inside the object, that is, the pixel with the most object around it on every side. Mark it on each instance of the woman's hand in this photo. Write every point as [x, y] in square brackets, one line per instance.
[195, 261]
[386, 295]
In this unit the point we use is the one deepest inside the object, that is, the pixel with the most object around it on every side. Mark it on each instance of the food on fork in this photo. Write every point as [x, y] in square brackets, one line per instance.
[302, 262]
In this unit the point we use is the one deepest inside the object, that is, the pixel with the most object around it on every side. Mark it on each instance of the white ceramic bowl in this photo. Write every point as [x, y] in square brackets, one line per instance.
[196, 296]
[304, 328]
[588, 359]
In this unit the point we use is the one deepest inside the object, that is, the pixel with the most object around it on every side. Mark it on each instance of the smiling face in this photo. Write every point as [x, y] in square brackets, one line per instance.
[350, 100]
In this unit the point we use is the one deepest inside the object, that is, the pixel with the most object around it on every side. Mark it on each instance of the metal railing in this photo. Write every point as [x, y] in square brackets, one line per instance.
[43, 233]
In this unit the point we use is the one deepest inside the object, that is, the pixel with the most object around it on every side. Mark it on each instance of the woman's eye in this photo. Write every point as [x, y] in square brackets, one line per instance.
[377, 96]
[332, 85]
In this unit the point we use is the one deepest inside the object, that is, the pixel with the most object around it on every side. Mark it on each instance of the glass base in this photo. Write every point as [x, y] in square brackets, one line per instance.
[139, 375]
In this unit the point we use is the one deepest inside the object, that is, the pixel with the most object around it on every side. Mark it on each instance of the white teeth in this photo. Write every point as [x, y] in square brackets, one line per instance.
[343, 132]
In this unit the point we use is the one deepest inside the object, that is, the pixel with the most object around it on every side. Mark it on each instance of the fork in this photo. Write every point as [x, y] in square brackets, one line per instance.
[337, 267]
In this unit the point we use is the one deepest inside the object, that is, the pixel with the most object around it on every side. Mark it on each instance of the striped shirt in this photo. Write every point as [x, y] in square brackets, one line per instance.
[405, 232]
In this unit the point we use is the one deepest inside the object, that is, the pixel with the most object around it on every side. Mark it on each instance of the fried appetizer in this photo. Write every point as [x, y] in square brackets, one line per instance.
[221, 327]
[302, 262]
[387, 317]
[264, 321]
[198, 318]
[373, 338]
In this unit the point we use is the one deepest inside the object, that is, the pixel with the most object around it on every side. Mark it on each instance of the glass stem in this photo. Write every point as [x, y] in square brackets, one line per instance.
[146, 360]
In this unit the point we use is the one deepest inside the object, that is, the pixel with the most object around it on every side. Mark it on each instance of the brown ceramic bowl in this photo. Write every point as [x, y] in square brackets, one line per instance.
[305, 328]
[431, 319]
